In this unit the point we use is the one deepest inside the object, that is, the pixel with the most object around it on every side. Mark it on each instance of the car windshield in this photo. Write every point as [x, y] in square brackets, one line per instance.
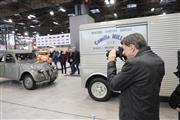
[25, 56]
[1, 57]
[43, 53]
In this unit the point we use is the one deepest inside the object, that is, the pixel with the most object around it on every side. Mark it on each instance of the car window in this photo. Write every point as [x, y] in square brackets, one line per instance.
[25, 56]
[10, 58]
[43, 53]
[1, 58]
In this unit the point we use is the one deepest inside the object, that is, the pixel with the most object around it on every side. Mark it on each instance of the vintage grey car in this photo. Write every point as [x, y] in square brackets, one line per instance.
[22, 66]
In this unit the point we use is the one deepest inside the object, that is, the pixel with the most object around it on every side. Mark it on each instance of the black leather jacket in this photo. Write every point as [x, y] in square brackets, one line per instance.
[139, 82]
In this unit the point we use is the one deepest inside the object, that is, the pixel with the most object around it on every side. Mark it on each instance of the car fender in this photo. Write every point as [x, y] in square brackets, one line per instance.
[93, 75]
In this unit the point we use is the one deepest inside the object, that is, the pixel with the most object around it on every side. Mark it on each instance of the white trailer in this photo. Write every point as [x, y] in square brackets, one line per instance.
[161, 32]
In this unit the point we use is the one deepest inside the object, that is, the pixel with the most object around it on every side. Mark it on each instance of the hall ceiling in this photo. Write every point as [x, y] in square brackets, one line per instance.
[43, 23]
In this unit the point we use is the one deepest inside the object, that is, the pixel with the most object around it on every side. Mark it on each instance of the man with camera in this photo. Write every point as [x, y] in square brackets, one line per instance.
[139, 80]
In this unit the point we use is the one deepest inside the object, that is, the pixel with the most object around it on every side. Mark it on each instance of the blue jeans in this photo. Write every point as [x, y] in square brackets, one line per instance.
[74, 67]
[77, 67]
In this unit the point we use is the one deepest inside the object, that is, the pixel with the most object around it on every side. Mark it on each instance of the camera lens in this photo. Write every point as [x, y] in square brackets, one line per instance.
[119, 53]
[107, 53]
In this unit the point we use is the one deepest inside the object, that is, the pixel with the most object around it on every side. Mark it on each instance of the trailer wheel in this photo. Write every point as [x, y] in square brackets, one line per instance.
[99, 90]
[28, 82]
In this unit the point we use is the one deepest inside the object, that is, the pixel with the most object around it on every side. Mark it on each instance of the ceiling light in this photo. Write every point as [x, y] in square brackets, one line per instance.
[32, 26]
[13, 32]
[50, 30]
[29, 17]
[36, 21]
[152, 9]
[21, 23]
[161, 1]
[131, 5]
[32, 16]
[166, 1]
[37, 34]
[95, 11]
[10, 20]
[71, 14]
[164, 13]
[55, 23]
[112, 1]
[26, 33]
[62, 9]
[51, 13]
[109, 2]
[16, 14]
[115, 14]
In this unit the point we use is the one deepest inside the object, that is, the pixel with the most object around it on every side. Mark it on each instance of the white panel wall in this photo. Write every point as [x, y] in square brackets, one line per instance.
[164, 39]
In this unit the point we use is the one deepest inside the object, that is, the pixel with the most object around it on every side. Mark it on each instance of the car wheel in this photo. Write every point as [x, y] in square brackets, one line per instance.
[28, 82]
[99, 90]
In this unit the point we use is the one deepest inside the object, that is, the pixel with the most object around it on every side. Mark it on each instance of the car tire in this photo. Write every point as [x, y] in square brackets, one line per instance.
[28, 82]
[99, 90]
[52, 81]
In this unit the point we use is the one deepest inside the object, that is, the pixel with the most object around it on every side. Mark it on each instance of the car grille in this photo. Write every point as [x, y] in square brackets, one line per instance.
[49, 73]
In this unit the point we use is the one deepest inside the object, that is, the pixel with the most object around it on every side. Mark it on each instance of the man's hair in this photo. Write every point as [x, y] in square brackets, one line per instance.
[136, 39]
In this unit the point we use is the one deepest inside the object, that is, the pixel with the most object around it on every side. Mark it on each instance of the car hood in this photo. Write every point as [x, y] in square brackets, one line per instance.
[35, 65]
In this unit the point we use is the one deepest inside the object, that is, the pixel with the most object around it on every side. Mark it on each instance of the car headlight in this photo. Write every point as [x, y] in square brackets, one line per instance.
[54, 67]
[40, 71]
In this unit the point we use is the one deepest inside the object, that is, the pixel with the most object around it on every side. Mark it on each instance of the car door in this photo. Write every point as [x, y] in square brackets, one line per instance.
[11, 67]
[2, 59]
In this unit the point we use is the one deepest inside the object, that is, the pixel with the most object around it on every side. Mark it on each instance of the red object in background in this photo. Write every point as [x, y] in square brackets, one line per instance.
[88, 2]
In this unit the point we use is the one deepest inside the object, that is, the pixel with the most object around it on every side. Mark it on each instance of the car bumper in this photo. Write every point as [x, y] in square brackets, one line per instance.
[47, 75]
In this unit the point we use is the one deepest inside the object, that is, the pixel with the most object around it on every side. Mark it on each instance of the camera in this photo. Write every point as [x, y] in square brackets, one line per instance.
[119, 53]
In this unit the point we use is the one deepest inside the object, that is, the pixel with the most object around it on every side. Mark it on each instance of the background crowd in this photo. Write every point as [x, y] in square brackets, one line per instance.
[71, 56]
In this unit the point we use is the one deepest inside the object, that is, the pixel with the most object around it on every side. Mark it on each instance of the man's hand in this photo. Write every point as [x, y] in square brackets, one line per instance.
[178, 109]
[112, 55]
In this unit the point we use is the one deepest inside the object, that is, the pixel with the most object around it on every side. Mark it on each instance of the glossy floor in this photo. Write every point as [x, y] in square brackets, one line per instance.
[65, 99]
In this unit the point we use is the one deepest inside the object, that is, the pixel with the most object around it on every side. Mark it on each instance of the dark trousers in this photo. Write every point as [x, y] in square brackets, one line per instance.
[55, 62]
[73, 68]
[63, 67]
[77, 67]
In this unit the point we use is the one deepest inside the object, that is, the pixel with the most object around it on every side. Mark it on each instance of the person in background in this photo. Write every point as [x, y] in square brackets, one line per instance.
[76, 61]
[51, 54]
[63, 59]
[55, 57]
[70, 56]
[139, 80]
